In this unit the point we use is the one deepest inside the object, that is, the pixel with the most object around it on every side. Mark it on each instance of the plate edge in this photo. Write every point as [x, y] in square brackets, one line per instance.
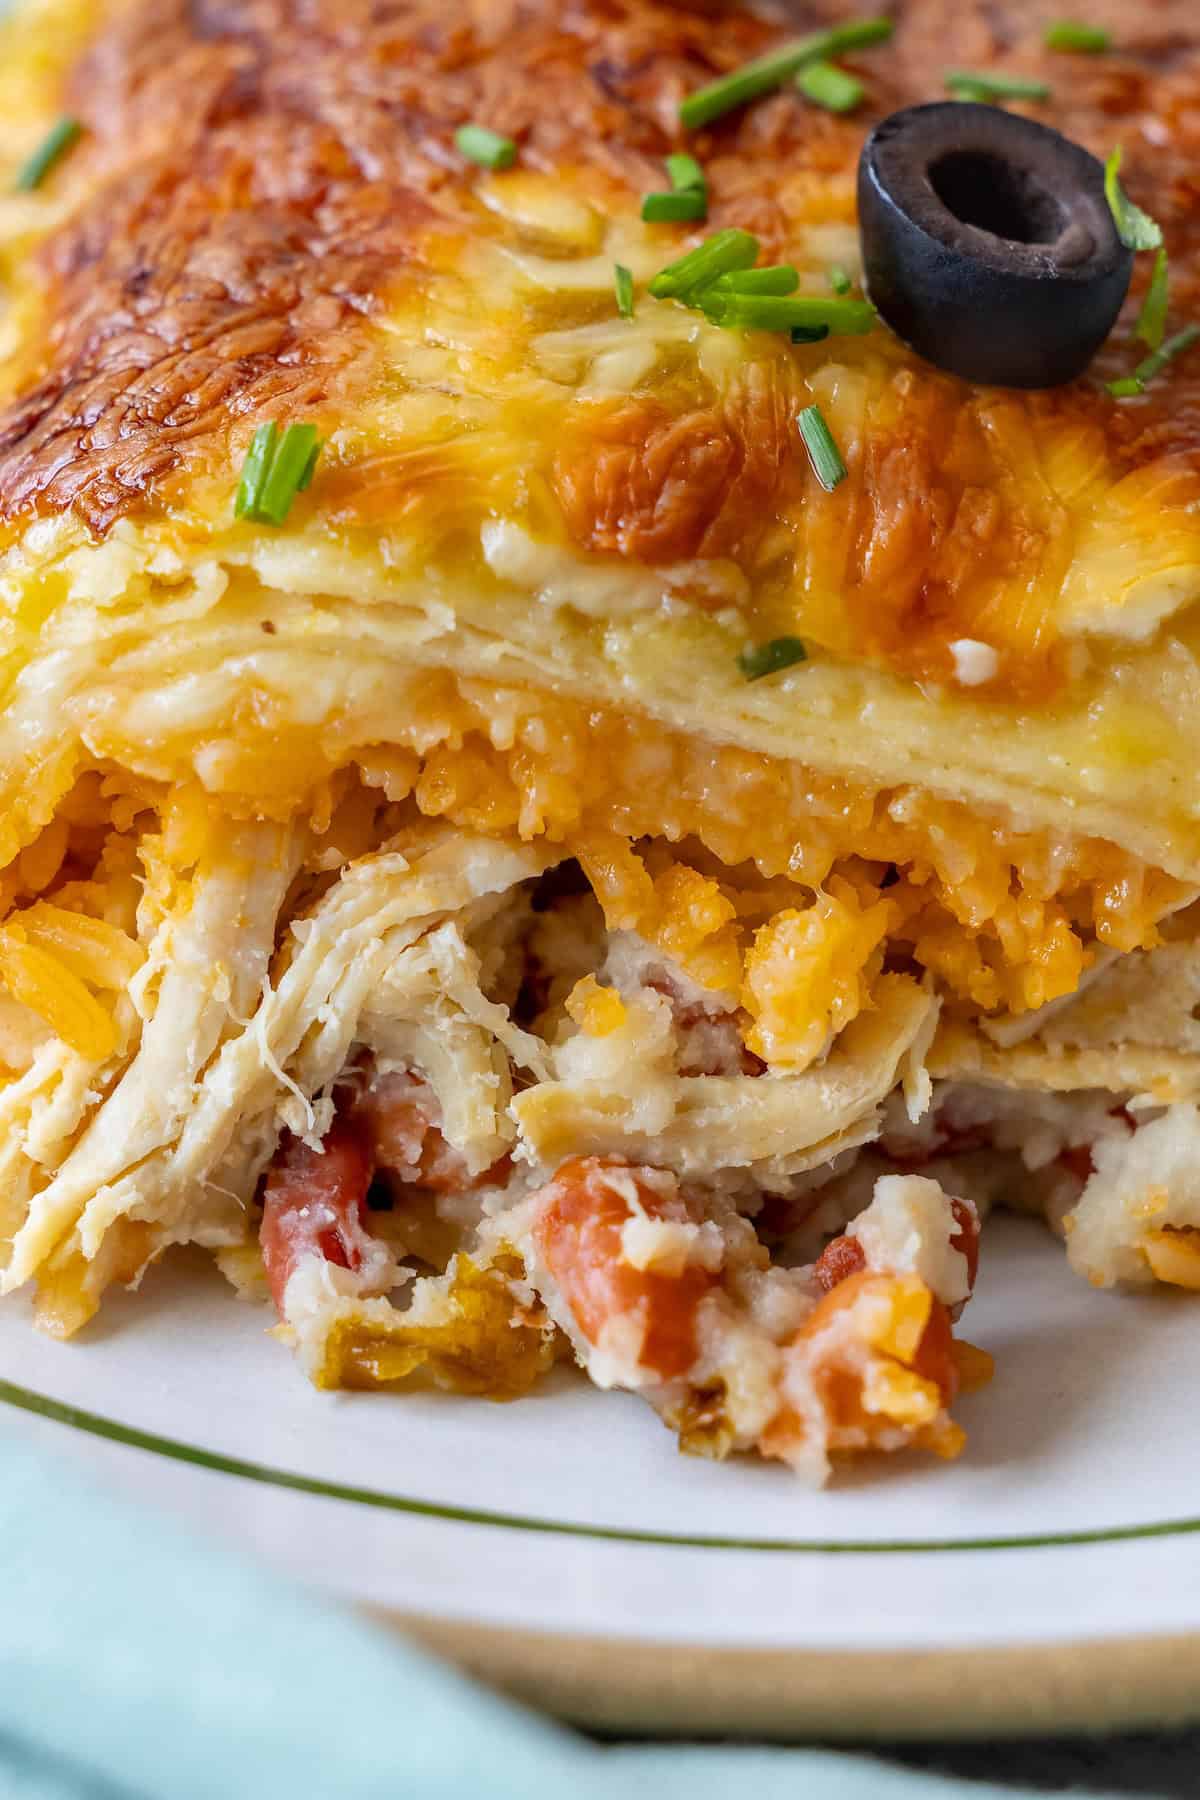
[631, 1686]
[134, 1437]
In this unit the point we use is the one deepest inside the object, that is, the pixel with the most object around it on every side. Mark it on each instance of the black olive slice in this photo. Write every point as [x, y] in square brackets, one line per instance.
[988, 244]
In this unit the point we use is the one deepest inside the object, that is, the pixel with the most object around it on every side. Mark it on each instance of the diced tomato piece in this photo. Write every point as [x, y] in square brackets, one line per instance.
[841, 1258]
[400, 1118]
[314, 1204]
[966, 1238]
[581, 1215]
[1077, 1161]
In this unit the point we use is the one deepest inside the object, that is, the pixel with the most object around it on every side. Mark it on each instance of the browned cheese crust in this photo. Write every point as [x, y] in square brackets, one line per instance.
[264, 171]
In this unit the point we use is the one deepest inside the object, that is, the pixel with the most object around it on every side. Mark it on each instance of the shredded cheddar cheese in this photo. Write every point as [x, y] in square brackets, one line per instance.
[46, 984]
[809, 974]
[597, 1010]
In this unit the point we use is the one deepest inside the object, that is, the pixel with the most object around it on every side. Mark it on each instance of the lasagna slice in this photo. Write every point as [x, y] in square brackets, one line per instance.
[501, 842]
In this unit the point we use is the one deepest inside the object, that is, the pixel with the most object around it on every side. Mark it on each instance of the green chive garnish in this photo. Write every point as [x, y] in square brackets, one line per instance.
[310, 467]
[768, 72]
[276, 469]
[839, 279]
[779, 279]
[768, 659]
[1069, 34]
[717, 255]
[672, 209]
[965, 84]
[488, 148]
[1152, 320]
[623, 282]
[1174, 346]
[685, 172]
[823, 453]
[254, 471]
[55, 144]
[290, 472]
[826, 85]
[1136, 229]
[764, 312]
[720, 279]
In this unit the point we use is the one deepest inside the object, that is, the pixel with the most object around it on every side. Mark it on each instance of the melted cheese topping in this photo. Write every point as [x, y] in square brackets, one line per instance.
[518, 481]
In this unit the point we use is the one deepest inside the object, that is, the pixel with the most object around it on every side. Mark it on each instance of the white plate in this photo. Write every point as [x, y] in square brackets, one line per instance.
[561, 1544]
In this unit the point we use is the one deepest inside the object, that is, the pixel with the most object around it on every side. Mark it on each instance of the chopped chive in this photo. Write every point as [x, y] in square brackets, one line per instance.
[779, 279]
[1152, 319]
[717, 255]
[57, 141]
[290, 472]
[276, 469]
[623, 282]
[711, 301]
[488, 148]
[768, 72]
[1069, 34]
[809, 334]
[966, 91]
[254, 471]
[310, 469]
[823, 453]
[1136, 229]
[826, 85]
[838, 279]
[971, 86]
[1174, 346]
[768, 659]
[685, 172]
[764, 312]
[1129, 385]
[971, 90]
[672, 209]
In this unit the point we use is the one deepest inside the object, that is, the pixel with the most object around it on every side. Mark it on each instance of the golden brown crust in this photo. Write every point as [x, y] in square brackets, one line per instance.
[263, 174]
[644, 482]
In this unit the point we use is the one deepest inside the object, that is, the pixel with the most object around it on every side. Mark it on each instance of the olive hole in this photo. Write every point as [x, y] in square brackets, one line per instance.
[989, 193]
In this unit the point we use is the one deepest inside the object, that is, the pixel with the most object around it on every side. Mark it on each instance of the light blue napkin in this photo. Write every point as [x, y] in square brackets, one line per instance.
[137, 1662]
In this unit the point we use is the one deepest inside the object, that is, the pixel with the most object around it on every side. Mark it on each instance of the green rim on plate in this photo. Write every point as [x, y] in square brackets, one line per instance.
[26, 1400]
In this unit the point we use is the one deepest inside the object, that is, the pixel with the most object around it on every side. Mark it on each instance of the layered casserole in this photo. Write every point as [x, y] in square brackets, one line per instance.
[510, 842]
